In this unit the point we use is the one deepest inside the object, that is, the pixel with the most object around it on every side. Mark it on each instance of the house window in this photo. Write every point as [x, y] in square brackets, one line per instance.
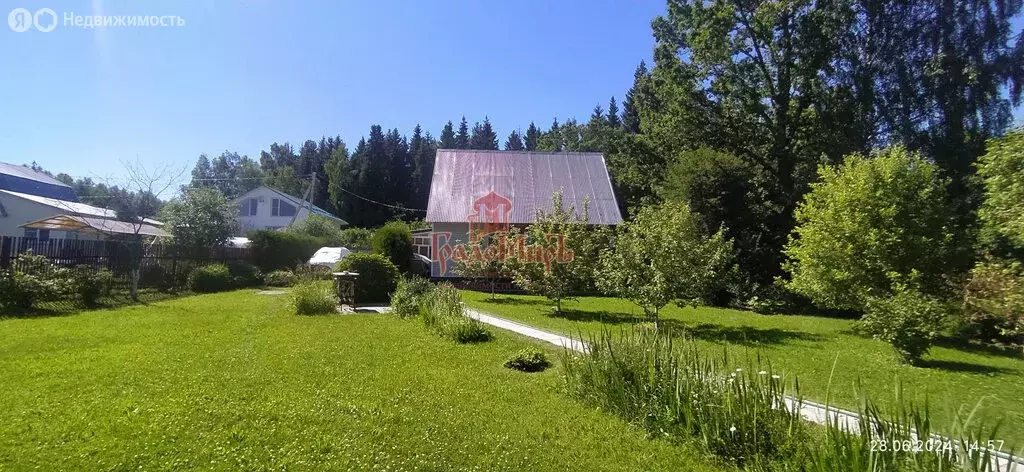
[40, 234]
[282, 208]
[248, 207]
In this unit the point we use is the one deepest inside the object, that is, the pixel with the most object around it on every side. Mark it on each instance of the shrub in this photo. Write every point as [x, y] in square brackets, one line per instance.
[377, 279]
[309, 273]
[318, 226]
[528, 360]
[277, 250]
[908, 320]
[313, 298]
[88, 284]
[868, 224]
[993, 305]
[394, 241]
[443, 314]
[279, 278]
[409, 296]
[1002, 171]
[244, 274]
[356, 239]
[32, 278]
[154, 275]
[210, 278]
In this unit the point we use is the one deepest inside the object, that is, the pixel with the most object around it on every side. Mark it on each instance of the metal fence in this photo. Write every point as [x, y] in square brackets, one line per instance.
[163, 267]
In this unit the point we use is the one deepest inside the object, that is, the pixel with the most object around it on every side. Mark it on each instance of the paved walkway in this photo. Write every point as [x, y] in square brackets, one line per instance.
[809, 411]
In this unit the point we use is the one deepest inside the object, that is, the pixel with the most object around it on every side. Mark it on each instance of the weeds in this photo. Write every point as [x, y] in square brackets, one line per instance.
[442, 312]
[313, 298]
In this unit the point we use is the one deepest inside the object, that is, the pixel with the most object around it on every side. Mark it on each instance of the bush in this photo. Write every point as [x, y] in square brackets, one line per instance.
[409, 296]
[868, 224]
[154, 275]
[313, 298]
[1002, 172]
[279, 278]
[318, 226]
[443, 314]
[394, 241]
[309, 273]
[908, 320]
[993, 306]
[88, 284]
[528, 360]
[210, 278]
[377, 279]
[33, 278]
[356, 239]
[244, 274]
[277, 250]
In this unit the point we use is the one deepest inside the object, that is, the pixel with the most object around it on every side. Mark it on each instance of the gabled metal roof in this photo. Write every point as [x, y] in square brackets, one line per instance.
[527, 179]
[25, 180]
[75, 208]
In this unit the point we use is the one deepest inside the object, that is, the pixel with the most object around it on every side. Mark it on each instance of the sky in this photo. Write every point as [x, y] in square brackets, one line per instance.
[239, 76]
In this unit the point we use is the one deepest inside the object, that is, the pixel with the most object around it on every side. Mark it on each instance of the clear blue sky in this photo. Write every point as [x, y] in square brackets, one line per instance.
[241, 75]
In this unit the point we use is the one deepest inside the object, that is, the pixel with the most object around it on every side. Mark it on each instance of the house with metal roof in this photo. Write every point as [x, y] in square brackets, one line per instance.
[269, 208]
[43, 218]
[486, 190]
[23, 179]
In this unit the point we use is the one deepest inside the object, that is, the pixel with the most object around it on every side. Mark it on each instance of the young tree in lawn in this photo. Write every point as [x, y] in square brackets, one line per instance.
[663, 255]
[489, 269]
[558, 279]
[135, 202]
[200, 220]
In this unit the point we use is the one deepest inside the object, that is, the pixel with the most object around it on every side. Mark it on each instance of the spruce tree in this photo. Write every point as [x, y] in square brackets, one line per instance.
[483, 137]
[532, 138]
[514, 142]
[613, 114]
[630, 116]
[462, 139]
[448, 137]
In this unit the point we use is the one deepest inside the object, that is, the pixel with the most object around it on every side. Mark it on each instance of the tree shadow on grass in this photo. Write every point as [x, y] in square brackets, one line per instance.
[977, 348]
[742, 335]
[515, 301]
[966, 367]
[604, 316]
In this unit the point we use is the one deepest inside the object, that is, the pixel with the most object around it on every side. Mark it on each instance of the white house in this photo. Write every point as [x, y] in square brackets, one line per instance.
[18, 209]
[268, 208]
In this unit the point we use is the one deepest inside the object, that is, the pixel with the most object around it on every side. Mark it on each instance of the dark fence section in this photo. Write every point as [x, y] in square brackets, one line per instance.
[164, 267]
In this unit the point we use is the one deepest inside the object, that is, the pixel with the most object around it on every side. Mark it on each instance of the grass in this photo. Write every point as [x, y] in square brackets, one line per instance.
[807, 347]
[234, 381]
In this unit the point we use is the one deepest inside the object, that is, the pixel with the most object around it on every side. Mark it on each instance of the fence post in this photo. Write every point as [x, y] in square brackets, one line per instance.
[5, 252]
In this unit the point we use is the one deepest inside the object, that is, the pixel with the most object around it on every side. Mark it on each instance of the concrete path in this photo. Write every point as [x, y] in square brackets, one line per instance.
[809, 411]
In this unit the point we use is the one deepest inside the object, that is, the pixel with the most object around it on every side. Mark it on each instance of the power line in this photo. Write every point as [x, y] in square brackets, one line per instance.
[382, 203]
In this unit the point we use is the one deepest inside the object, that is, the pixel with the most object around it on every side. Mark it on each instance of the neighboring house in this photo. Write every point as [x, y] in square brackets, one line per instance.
[78, 220]
[268, 208]
[494, 189]
[23, 179]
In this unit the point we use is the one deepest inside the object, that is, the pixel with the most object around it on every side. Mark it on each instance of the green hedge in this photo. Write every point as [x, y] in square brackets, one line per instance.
[377, 279]
[394, 241]
[210, 278]
[277, 250]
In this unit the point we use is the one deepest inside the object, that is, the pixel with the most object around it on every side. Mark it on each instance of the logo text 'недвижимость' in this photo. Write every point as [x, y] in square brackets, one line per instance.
[45, 20]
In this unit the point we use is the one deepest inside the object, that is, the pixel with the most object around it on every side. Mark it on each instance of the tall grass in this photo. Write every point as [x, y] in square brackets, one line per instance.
[442, 312]
[313, 298]
[410, 294]
[671, 389]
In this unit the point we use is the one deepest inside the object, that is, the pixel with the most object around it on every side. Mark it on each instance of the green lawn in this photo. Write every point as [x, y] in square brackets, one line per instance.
[807, 347]
[233, 381]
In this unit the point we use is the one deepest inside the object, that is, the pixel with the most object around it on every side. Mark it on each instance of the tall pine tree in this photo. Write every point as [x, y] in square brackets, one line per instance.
[613, 114]
[483, 137]
[462, 139]
[448, 137]
[532, 138]
[514, 142]
[630, 115]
